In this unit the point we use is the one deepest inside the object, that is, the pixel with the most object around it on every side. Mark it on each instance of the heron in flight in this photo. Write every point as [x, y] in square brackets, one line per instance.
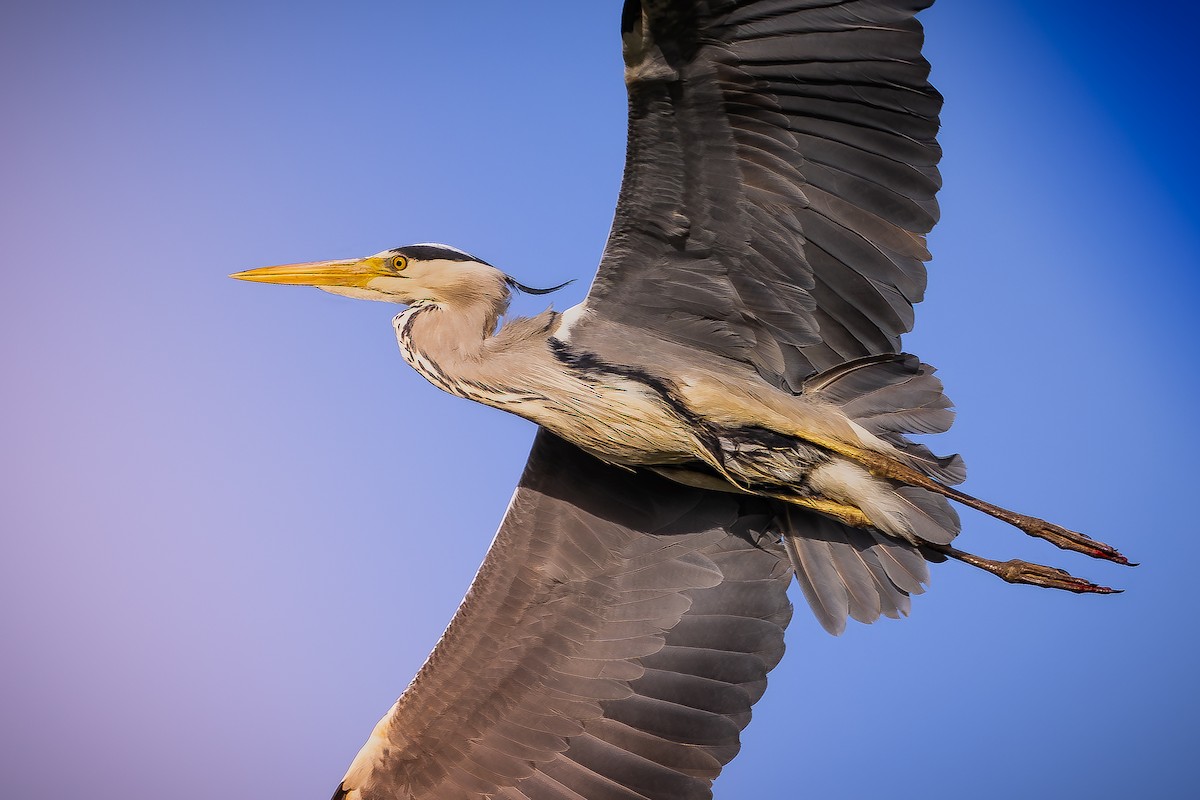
[728, 409]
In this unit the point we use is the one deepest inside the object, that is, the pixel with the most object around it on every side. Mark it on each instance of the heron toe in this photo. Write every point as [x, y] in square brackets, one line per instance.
[1070, 540]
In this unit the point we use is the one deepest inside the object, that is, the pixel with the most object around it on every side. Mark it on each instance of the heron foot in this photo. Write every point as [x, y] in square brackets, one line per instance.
[1068, 539]
[1017, 571]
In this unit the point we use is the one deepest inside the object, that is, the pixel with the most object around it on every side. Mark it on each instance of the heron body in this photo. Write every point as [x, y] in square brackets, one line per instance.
[728, 410]
[748, 439]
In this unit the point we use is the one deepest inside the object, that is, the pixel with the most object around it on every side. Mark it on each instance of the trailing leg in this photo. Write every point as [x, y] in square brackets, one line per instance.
[881, 465]
[890, 396]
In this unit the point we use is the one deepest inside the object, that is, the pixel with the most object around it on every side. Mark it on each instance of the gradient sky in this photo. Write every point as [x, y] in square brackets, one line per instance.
[232, 518]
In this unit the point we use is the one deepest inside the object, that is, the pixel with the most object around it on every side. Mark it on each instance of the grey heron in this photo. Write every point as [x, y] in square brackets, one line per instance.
[729, 409]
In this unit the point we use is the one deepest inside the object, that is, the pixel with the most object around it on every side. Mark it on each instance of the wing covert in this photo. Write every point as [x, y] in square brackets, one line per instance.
[780, 176]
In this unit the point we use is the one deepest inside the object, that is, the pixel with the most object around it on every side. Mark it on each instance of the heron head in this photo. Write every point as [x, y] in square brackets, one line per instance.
[433, 272]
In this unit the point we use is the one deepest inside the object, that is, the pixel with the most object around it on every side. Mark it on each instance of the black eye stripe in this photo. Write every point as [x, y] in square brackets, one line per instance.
[432, 252]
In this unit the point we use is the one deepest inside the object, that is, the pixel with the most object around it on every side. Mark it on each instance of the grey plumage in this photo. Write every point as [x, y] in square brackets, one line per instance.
[624, 655]
[798, 256]
[741, 338]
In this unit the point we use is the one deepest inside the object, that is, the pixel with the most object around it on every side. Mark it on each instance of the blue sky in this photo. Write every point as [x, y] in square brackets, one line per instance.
[233, 521]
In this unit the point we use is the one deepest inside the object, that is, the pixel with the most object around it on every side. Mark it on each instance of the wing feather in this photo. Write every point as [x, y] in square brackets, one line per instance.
[780, 177]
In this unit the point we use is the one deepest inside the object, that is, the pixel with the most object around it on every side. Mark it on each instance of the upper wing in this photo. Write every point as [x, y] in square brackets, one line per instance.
[780, 175]
[611, 646]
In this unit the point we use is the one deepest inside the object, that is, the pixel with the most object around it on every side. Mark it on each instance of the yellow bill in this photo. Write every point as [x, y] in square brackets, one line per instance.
[352, 272]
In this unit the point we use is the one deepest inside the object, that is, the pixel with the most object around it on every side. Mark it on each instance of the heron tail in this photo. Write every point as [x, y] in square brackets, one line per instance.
[848, 572]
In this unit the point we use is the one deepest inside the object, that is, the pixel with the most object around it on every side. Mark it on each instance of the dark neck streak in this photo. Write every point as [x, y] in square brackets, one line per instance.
[439, 342]
[448, 345]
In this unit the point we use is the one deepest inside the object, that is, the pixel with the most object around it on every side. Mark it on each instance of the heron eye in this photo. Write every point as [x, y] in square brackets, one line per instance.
[399, 263]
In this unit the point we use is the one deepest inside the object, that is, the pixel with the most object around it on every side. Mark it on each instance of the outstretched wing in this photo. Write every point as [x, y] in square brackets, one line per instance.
[779, 180]
[611, 646]
[780, 175]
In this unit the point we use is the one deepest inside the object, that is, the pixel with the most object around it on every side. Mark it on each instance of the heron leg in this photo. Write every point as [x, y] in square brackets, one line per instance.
[1012, 571]
[850, 515]
[1016, 571]
[883, 466]
[843, 513]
